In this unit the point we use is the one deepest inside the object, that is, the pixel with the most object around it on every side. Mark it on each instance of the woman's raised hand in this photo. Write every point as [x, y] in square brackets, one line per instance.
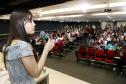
[49, 45]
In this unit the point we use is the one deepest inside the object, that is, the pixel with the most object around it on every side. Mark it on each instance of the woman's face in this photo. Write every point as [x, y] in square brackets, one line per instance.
[29, 26]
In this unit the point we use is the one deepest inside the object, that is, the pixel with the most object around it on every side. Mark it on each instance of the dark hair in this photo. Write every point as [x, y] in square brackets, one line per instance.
[17, 30]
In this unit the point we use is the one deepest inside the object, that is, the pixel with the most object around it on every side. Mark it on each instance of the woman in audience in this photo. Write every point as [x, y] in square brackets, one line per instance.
[20, 57]
[121, 53]
[122, 61]
[2, 67]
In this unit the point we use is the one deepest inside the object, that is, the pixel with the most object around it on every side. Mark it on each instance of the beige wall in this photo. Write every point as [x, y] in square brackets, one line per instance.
[121, 23]
[103, 24]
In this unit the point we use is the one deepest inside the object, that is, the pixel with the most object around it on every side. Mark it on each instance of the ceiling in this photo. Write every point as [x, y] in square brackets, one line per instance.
[70, 10]
[6, 6]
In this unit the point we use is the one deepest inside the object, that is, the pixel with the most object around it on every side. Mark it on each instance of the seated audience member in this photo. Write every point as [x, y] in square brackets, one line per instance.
[110, 46]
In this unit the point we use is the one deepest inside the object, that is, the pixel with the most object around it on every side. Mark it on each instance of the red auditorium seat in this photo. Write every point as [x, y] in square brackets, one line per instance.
[99, 57]
[90, 54]
[109, 57]
[81, 53]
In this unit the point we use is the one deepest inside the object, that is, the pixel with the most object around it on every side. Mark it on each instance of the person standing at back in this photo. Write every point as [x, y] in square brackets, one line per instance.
[20, 58]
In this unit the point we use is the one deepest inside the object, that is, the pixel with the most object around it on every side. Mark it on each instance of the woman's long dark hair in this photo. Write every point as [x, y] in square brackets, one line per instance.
[17, 30]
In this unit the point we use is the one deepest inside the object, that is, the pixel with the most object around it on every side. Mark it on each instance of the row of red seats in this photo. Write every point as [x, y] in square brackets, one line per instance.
[99, 55]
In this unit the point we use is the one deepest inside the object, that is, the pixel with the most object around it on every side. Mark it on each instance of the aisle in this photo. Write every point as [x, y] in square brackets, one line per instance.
[56, 77]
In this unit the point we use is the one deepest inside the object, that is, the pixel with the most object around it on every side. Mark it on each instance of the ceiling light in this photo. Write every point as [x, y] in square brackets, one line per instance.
[75, 8]
[110, 5]
[52, 17]
[97, 14]
[7, 16]
[111, 13]
[66, 16]
[57, 11]
[116, 13]
[109, 17]
[46, 18]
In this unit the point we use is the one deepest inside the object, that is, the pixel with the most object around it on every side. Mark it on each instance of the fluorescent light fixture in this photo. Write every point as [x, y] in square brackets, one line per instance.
[109, 17]
[116, 13]
[65, 16]
[111, 13]
[58, 11]
[36, 10]
[97, 6]
[7, 16]
[68, 16]
[75, 8]
[97, 14]
[46, 18]
[116, 4]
